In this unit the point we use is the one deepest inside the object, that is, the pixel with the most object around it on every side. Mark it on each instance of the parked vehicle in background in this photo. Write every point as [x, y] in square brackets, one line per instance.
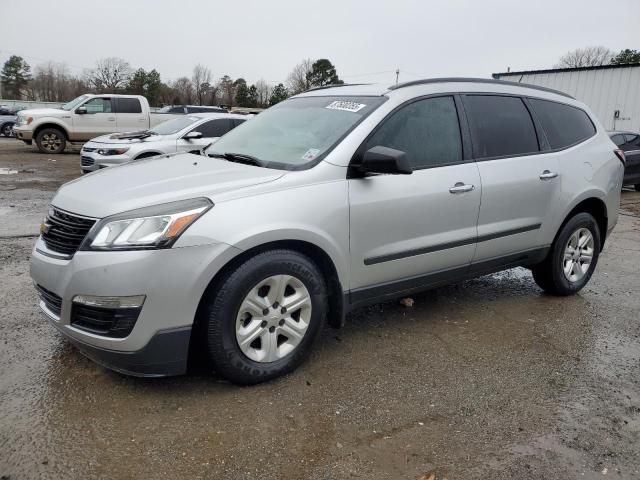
[192, 109]
[187, 133]
[333, 199]
[629, 143]
[84, 118]
[7, 121]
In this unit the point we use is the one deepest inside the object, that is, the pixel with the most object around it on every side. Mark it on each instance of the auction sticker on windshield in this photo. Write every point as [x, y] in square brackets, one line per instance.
[310, 154]
[346, 106]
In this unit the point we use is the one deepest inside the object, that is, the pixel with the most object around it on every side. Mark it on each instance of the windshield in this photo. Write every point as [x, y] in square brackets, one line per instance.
[297, 133]
[174, 126]
[74, 103]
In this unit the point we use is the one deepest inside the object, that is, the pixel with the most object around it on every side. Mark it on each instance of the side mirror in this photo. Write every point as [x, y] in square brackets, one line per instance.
[385, 160]
[192, 135]
[81, 110]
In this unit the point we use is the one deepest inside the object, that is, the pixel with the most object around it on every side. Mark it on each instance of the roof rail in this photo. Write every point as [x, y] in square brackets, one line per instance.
[476, 80]
[334, 85]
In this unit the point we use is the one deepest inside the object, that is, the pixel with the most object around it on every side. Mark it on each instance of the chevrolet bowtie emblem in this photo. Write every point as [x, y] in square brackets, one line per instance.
[44, 228]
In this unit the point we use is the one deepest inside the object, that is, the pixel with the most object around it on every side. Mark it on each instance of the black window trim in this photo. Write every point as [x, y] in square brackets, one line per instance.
[465, 135]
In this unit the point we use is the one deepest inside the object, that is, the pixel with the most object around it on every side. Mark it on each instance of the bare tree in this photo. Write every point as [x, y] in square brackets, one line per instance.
[264, 92]
[53, 83]
[110, 74]
[297, 81]
[201, 80]
[586, 57]
[184, 91]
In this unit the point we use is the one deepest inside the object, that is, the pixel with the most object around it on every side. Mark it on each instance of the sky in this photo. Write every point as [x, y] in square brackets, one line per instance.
[366, 40]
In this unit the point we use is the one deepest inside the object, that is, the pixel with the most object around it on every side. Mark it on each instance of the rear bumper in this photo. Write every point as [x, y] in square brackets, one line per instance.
[166, 354]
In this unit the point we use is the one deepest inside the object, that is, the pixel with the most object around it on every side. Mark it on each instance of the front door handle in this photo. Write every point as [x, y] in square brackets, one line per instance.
[461, 188]
[547, 175]
[112, 119]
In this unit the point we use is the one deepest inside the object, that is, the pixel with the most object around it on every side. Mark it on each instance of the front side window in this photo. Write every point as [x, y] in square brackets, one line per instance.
[297, 133]
[214, 128]
[563, 124]
[500, 126]
[427, 131]
[98, 105]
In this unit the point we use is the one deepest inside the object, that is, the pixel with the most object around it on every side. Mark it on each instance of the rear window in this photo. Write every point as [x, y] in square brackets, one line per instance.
[128, 105]
[500, 126]
[563, 124]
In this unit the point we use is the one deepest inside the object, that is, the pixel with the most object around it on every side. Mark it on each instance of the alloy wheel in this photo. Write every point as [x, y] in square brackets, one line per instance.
[578, 255]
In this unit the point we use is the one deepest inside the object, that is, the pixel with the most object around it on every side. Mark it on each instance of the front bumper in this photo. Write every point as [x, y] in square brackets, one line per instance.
[173, 281]
[23, 132]
[91, 161]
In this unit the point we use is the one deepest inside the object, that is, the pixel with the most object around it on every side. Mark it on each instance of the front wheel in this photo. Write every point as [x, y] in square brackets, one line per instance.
[573, 257]
[7, 129]
[51, 140]
[265, 316]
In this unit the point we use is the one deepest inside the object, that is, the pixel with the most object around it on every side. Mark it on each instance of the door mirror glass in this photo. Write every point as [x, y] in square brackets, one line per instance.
[192, 135]
[81, 110]
[385, 160]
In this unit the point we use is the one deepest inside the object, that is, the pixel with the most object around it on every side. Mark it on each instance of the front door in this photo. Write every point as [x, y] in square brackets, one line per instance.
[99, 119]
[417, 229]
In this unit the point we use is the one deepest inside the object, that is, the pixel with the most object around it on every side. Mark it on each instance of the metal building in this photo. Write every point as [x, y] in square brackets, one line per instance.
[611, 91]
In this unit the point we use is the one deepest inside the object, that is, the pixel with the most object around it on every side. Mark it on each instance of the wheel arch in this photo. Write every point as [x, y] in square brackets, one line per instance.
[148, 154]
[50, 124]
[595, 206]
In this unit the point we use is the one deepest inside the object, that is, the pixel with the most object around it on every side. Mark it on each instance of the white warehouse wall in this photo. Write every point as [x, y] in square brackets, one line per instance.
[603, 89]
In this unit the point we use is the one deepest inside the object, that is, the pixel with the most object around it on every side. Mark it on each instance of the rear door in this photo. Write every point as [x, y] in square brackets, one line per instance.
[210, 130]
[100, 119]
[129, 115]
[631, 148]
[407, 231]
[520, 183]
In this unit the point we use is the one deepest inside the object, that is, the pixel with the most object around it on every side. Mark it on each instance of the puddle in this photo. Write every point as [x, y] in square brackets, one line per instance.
[8, 171]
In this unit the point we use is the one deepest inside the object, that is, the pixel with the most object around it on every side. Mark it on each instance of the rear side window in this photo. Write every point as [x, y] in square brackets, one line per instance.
[500, 126]
[618, 139]
[427, 131]
[632, 140]
[128, 105]
[563, 124]
[215, 128]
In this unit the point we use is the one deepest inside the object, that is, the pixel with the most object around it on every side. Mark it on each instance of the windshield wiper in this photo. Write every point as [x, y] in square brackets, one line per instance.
[240, 158]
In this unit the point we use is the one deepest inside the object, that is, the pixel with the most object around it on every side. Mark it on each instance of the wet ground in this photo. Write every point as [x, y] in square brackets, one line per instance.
[489, 379]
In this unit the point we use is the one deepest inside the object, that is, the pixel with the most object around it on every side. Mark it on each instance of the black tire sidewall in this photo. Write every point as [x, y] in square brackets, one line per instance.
[59, 133]
[222, 346]
[562, 284]
[4, 129]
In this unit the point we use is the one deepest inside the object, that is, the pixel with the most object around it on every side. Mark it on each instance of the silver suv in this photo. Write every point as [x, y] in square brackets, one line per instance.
[336, 198]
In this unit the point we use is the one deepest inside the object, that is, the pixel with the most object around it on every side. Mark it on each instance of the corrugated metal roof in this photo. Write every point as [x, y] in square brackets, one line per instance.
[561, 70]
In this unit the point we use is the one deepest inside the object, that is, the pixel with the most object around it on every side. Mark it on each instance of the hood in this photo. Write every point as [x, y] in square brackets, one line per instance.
[126, 141]
[43, 112]
[157, 180]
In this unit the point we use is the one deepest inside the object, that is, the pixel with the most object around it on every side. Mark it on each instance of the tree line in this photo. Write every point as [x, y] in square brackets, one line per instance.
[54, 82]
[597, 56]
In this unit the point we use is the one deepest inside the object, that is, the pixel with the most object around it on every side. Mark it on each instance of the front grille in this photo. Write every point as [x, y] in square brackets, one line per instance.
[63, 232]
[52, 301]
[86, 161]
[88, 149]
[108, 322]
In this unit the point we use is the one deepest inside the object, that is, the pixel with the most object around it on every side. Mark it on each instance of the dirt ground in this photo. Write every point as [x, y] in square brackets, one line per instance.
[489, 379]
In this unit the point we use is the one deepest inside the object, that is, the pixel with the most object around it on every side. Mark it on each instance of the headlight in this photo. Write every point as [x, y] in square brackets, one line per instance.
[112, 151]
[146, 228]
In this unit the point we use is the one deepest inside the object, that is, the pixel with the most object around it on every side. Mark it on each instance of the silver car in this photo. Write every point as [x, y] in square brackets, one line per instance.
[189, 133]
[333, 199]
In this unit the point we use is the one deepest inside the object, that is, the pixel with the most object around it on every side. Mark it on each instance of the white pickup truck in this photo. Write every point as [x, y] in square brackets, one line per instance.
[83, 118]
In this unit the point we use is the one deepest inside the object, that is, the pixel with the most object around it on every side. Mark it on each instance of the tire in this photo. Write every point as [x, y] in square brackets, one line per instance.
[230, 321]
[51, 140]
[550, 274]
[7, 130]
[637, 187]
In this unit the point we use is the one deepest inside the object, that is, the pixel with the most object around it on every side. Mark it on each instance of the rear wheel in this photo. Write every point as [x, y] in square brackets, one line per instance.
[7, 130]
[573, 257]
[51, 140]
[265, 316]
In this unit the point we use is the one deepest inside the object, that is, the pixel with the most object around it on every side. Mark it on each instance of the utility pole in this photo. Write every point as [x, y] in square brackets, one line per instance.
[397, 75]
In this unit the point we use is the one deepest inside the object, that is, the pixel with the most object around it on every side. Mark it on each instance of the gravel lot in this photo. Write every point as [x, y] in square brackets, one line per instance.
[488, 379]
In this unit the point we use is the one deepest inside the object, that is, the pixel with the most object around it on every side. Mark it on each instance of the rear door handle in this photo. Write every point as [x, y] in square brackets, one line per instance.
[547, 175]
[461, 188]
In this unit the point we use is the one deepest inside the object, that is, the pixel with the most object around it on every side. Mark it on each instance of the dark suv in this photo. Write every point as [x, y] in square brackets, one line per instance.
[629, 143]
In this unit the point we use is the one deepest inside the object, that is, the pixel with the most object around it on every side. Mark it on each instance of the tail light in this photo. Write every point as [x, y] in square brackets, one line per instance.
[620, 154]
